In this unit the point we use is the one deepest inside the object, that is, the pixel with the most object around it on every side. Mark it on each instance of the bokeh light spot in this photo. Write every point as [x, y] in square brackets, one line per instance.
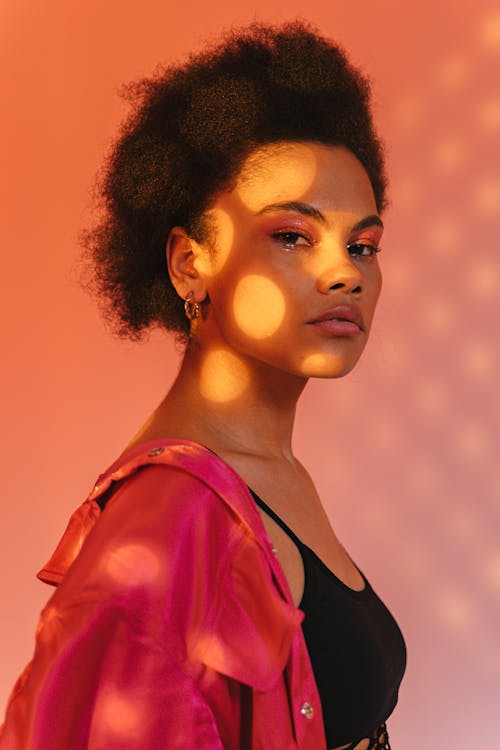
[455, 611]
[486, 196]
[478, 361]
[259, 306]
[384, 435]
[449, 153]
[405, 193]
[224, 376]
[438, 317]
[483, 279]
[489, 30]
[465, 526]
[452, 72]
[423, 479]
[133, 565]
[408, 111]
[490, 568]
[471, 442]
[444, 235]
[488, 114]
[431, 397]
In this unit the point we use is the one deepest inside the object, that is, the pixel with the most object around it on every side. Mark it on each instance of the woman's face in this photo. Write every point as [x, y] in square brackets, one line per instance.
[293, 277]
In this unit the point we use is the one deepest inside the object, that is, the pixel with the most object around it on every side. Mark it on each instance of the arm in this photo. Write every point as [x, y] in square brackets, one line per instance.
[111, 667]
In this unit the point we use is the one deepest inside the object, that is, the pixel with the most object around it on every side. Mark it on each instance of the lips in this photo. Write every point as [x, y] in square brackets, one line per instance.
[340, 314]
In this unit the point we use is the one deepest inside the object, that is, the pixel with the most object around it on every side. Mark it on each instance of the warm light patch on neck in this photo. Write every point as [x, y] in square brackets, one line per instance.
[259, 306]
[224, 376]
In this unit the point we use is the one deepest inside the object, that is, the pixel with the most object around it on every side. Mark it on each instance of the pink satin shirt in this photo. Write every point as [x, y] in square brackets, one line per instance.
[172, 625]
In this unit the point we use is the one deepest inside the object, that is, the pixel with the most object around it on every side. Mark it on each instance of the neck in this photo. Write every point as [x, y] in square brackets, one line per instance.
[229, 405]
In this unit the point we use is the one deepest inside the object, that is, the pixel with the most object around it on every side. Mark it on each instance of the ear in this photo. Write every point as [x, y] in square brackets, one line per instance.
[182, 252]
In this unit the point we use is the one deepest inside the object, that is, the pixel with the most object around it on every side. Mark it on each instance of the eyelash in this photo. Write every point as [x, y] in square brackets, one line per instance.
[284, 238]
[372, 249]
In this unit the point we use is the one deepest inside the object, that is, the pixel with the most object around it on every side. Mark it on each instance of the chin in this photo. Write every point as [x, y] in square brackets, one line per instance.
[327, 365]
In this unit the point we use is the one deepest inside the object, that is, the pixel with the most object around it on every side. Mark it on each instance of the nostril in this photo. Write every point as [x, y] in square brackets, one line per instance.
[341, 285]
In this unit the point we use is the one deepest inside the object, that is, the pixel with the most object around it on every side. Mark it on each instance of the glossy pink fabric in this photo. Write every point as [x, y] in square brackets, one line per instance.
[172, 625]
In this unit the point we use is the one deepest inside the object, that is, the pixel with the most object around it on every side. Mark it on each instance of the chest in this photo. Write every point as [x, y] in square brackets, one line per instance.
[291, 510]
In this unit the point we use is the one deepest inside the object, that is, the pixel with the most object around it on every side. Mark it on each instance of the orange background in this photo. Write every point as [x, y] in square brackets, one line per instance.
[404, 450]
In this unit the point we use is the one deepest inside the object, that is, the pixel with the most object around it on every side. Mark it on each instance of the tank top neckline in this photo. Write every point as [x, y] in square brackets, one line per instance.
[306, 551]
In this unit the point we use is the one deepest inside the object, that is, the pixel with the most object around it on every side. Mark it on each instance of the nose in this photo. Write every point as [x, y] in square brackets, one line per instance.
[340, 273]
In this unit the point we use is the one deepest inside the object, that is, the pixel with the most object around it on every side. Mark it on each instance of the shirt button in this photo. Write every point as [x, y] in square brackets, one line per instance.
[156, 452]
[307, 710]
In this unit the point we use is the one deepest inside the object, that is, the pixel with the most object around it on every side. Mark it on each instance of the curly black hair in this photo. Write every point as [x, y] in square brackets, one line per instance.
[190, 129]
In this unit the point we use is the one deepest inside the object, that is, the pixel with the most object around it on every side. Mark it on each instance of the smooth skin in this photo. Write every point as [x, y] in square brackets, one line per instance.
[295, 236]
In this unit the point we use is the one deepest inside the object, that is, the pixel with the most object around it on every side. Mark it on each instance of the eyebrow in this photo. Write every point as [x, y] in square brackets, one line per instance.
[307, 210]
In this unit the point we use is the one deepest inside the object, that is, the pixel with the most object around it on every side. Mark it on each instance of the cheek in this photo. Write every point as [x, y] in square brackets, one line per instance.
[373, 281]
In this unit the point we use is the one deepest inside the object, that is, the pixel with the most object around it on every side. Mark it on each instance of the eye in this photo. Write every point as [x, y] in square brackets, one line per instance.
[291, 240]
[362, 249]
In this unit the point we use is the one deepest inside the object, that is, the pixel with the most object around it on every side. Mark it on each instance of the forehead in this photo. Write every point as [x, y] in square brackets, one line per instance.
[330, 177]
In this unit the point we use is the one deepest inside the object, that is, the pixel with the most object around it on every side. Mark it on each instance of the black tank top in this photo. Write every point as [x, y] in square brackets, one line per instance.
[357, 650]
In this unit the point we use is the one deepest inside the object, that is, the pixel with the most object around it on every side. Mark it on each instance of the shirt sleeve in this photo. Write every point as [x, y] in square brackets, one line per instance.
[112, 667]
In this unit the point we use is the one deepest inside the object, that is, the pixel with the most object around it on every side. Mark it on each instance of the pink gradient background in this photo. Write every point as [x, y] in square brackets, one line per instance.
[404, 450]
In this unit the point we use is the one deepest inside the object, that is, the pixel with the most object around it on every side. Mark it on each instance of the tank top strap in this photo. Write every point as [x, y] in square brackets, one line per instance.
[270, 512]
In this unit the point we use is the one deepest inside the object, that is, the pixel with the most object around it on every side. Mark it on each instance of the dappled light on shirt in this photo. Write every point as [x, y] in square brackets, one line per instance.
[119, 716]
[132, 565]
[259, 306]
[224, 376]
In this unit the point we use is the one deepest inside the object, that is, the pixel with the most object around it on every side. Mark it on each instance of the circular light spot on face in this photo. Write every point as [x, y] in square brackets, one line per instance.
[259, 306]
[132, 565]
[320, 365]
[212, 260]
[271, 171]
[224, 376]
[119, 716]
[489, 30]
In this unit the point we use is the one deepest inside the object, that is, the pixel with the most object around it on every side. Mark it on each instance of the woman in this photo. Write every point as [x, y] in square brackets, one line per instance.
[203, 598]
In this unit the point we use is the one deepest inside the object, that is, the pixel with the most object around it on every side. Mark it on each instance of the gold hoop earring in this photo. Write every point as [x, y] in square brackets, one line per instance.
[192, 309]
